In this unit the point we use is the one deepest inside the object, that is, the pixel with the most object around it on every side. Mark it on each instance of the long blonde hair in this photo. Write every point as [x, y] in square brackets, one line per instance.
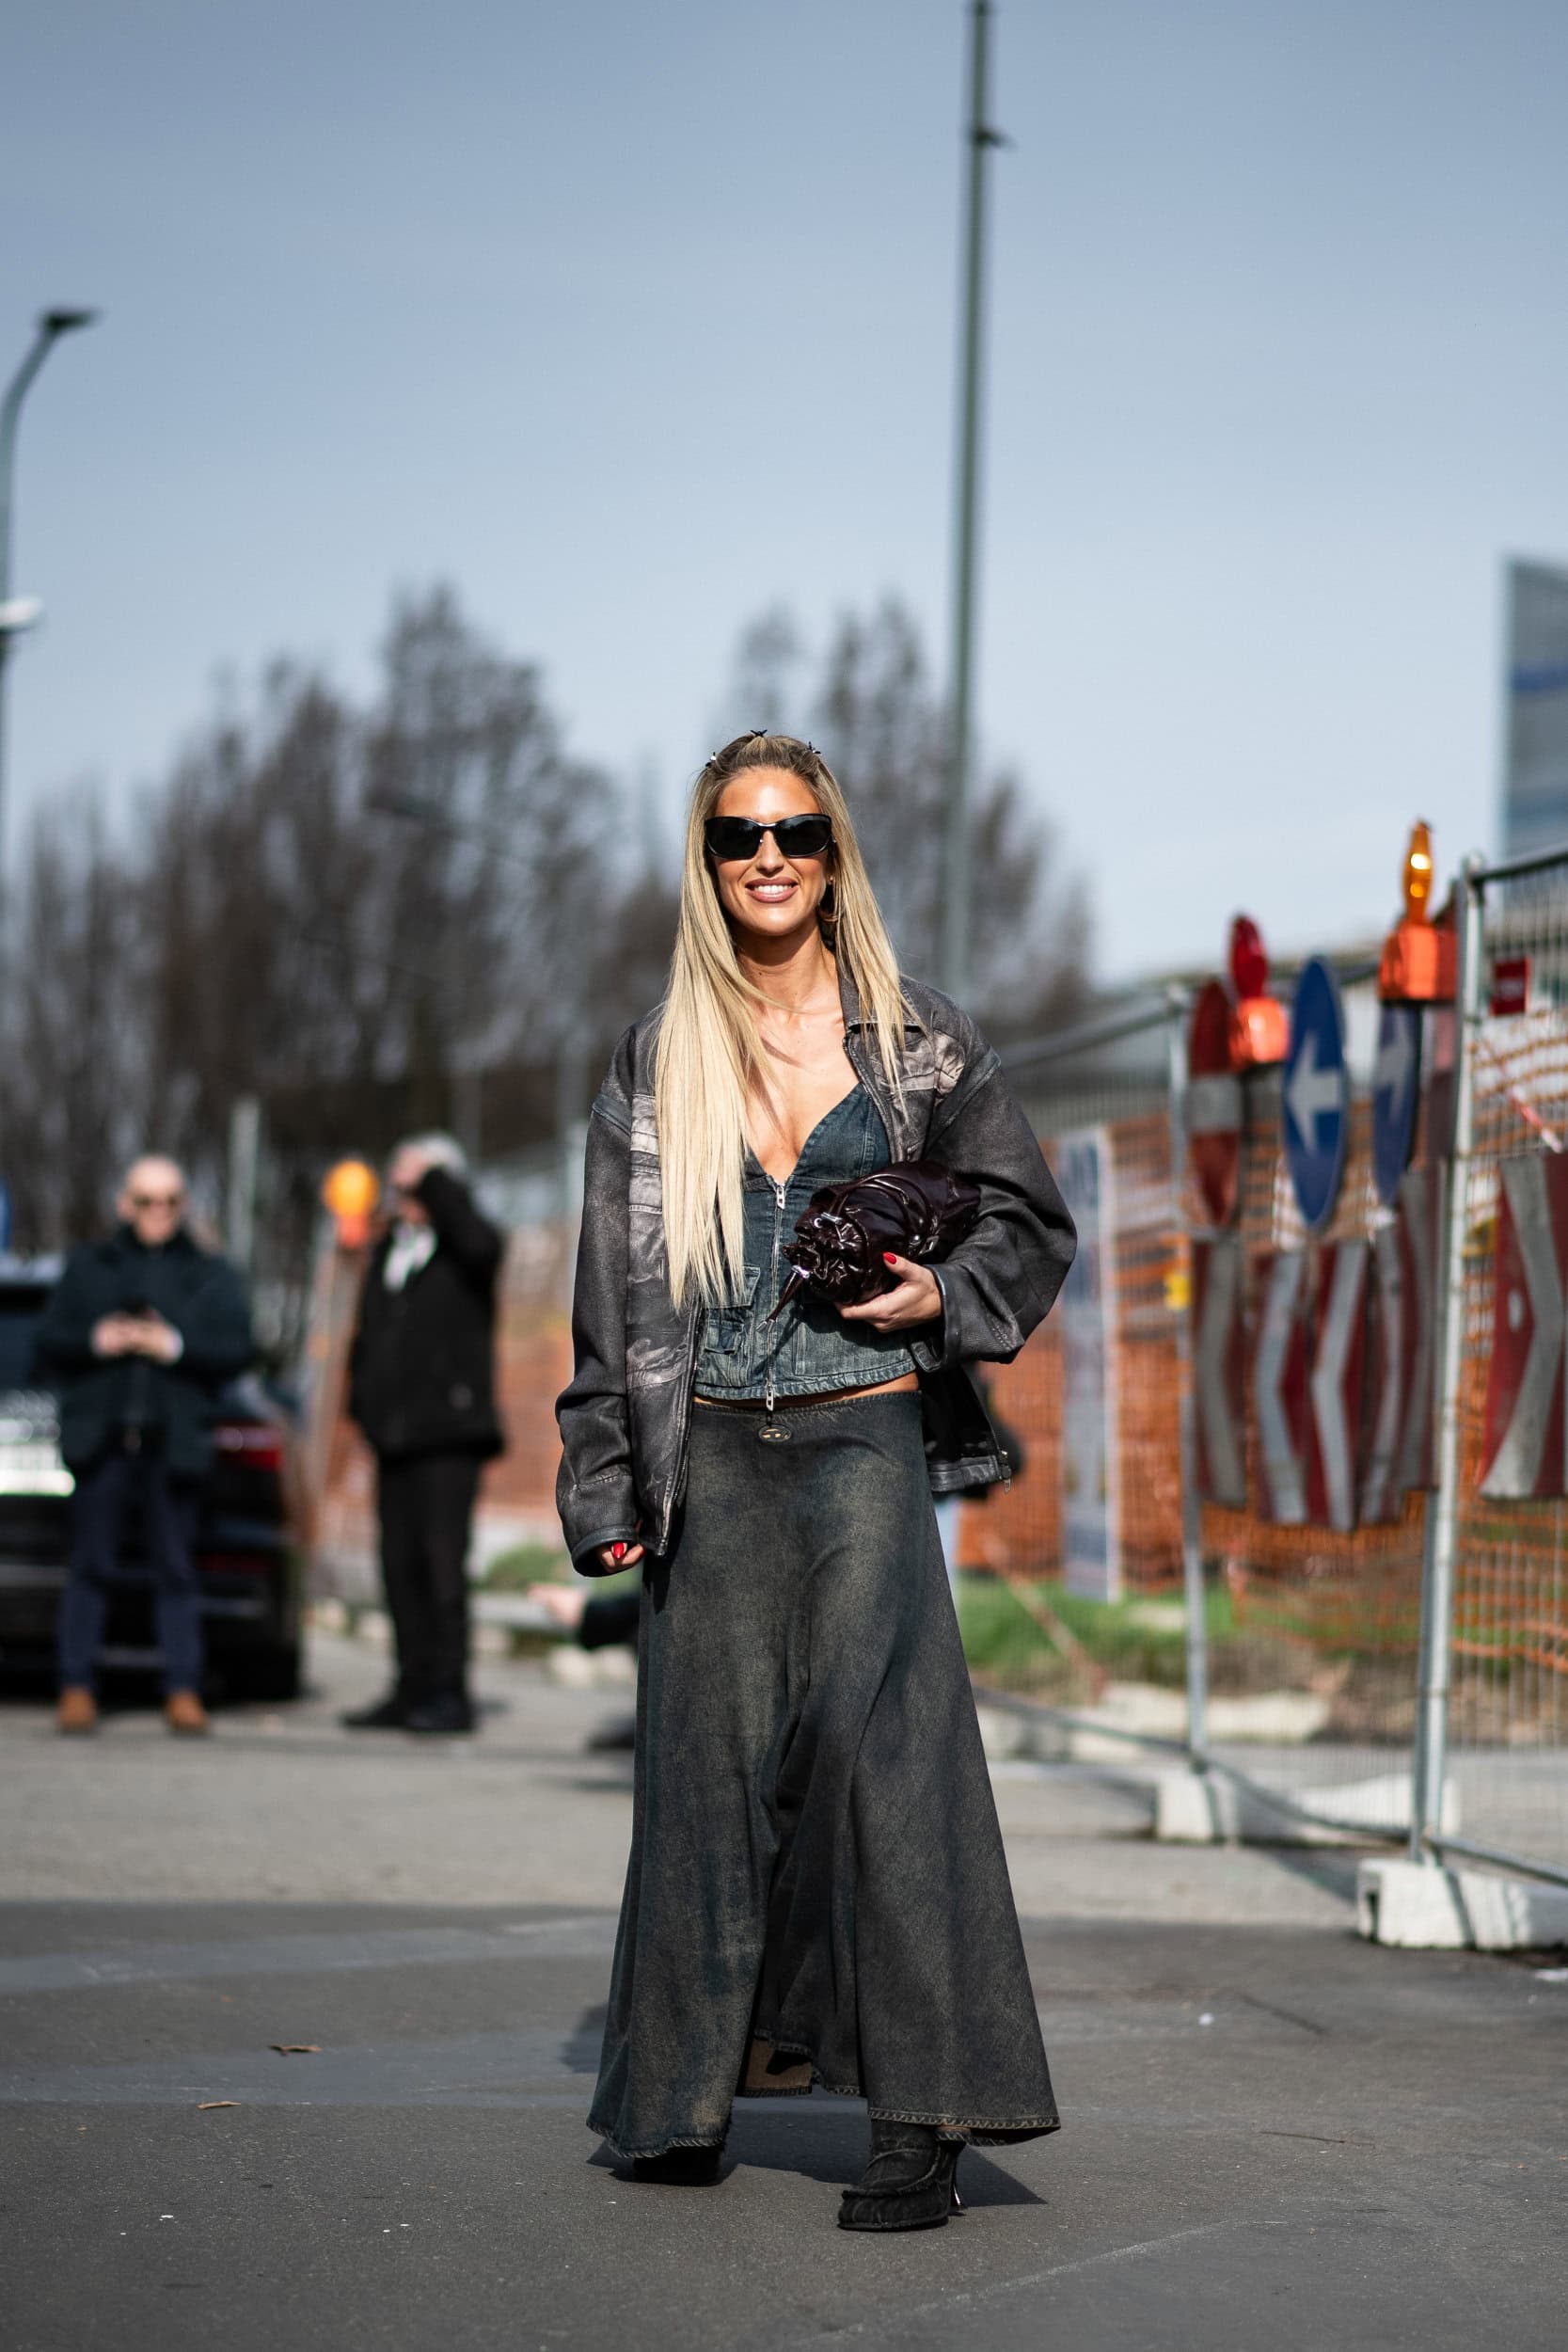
[709, 1051]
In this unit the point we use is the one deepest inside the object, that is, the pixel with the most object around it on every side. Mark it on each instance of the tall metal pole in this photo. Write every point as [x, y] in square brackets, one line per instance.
[244, 1154]
[1186, 1407]
[979, 135]
[11, 414]
[51, 326]
[1441, 1543]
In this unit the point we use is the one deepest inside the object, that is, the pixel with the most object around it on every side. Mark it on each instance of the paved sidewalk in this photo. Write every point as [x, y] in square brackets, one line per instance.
[520, 1814]
[1276, 2136]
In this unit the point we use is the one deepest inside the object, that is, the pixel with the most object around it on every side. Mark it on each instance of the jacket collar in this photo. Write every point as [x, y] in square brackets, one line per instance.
[849, 999]
[179, 1244]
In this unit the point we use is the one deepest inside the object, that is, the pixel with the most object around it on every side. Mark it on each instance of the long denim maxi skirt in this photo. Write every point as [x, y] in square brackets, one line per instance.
[817, 1891]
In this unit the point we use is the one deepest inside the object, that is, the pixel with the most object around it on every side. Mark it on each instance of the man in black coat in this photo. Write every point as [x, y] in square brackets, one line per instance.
[422, 1386]
[141, 1333]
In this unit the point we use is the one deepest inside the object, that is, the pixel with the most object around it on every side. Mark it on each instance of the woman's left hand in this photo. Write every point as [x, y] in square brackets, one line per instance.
[915, 1298]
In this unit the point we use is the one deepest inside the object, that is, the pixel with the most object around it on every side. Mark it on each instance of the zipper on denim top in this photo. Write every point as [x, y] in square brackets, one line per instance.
[809, 1349]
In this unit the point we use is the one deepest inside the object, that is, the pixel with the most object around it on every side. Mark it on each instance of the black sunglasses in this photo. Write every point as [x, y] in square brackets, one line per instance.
[731, 837]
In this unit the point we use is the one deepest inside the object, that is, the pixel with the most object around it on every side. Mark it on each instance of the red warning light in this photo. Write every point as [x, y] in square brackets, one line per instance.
[1258, 1029]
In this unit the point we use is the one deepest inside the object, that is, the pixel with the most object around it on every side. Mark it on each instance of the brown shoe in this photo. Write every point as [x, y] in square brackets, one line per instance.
[186, 1713]
[77, 1710]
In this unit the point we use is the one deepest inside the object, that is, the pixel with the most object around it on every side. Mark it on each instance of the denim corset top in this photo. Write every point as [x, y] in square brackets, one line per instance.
[809, 1351]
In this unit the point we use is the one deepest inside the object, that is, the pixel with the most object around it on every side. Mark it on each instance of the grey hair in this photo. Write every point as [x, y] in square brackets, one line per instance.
[440, 1150]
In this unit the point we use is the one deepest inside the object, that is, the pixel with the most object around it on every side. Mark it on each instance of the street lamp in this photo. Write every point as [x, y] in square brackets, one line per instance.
[20, 612]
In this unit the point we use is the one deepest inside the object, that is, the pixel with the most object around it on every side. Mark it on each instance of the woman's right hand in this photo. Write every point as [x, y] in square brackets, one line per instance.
[614, 1557]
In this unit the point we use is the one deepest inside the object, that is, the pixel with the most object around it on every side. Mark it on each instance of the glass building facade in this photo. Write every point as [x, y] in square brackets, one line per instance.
[1535, 774]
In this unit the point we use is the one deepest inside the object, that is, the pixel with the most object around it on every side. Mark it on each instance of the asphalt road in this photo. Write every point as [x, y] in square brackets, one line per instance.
[1275, 2136]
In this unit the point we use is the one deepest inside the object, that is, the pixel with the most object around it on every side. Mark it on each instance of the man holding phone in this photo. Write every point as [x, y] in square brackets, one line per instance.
[141, 1333]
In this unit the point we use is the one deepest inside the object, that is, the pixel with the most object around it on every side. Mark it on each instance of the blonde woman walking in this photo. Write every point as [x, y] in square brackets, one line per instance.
[817, 1892]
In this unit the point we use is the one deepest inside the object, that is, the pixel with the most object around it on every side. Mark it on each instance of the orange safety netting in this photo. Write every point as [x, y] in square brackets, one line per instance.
[1510, 1670]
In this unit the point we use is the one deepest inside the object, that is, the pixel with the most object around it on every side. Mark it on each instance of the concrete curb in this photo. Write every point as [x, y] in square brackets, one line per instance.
[1422, 1906]
[1211, 1808]
[1133, 1717]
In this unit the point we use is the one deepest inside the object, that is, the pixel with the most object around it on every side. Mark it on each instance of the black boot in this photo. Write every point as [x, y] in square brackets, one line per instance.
[450, 1713]
[908, 2184]
[387, 1715]
[680, 2168]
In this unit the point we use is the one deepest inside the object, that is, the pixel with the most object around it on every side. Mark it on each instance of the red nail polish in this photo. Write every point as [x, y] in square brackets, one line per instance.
[617, 1552]
[888, 1258]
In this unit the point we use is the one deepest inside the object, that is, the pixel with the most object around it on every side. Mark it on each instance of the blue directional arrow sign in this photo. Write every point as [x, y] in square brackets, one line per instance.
[1396, 1090]
[1315, 1094]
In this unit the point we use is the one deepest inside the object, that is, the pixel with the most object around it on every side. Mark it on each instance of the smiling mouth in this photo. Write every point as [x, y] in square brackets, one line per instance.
[772, 892]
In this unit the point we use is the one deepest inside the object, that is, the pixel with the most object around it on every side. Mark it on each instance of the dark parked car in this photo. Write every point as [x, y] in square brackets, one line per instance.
[250, 1570]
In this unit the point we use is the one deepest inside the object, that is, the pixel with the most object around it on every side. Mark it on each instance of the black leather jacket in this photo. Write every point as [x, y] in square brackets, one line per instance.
[625, 1417]
[422, 1374]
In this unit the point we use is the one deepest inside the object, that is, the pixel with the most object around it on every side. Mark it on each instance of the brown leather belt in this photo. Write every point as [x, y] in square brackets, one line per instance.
[905, 1384]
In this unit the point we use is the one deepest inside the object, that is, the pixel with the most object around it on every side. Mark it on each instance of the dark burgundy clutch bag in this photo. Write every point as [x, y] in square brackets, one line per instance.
[918, 1208]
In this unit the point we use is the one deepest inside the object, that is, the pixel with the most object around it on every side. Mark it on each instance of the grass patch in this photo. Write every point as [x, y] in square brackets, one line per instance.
[1124, 1640]
[526, 1563]
[612, 1587]
[1251, 1648]
[543, 1564]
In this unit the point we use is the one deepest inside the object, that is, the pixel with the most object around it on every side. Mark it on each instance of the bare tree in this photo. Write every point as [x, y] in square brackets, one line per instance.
[267, 925]
[871, 706]
[499, 887]
[75, 1049]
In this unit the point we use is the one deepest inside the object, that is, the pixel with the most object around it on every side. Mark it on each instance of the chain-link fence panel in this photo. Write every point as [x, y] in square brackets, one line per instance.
[1312, 1594]
[1507, 1734]
[1019, 1532]
[1108, 1630]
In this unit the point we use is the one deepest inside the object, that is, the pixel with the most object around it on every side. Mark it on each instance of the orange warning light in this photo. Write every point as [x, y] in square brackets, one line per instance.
[350, 1191]
[1417, 872]
[1258, 1029]
[1420, 963]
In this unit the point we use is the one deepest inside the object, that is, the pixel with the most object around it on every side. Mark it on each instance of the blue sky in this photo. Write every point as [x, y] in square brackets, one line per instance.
[633, 319]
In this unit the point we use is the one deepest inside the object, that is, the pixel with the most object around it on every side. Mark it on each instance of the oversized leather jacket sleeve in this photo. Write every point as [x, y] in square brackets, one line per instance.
[596, 1491]
[1001, 1281]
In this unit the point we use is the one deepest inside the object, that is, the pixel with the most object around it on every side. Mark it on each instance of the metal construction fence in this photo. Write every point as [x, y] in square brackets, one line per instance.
[1338, 1459]
[1497, 1596]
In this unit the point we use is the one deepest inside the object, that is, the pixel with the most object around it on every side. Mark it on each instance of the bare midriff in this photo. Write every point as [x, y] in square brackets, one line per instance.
[905, 1382]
